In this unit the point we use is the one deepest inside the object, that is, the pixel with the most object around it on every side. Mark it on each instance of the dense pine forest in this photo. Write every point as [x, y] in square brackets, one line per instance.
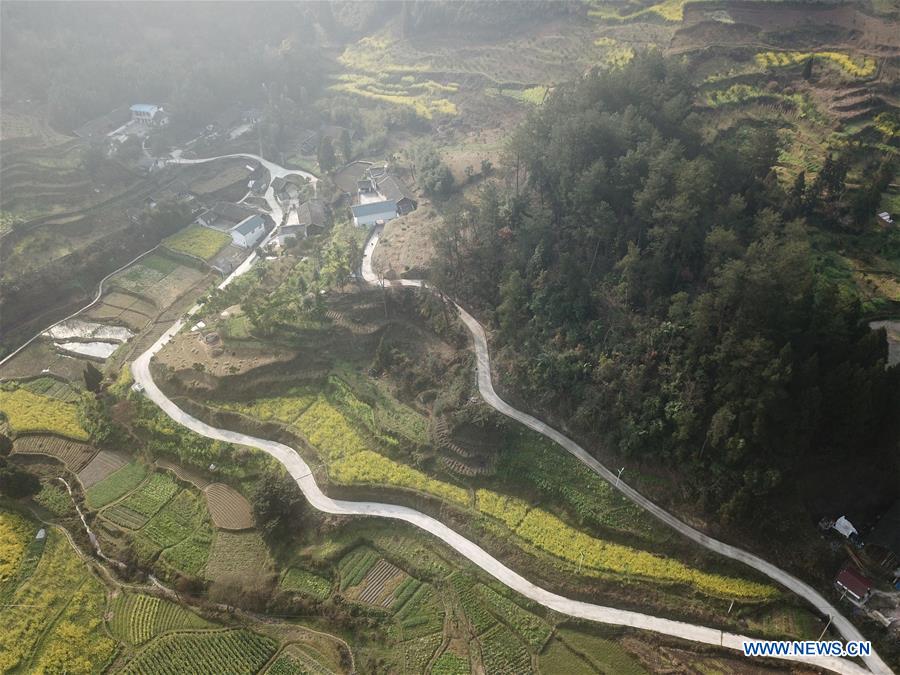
[657, 291]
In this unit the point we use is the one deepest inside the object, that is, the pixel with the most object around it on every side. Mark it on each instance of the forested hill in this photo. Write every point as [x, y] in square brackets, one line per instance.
[648, 287]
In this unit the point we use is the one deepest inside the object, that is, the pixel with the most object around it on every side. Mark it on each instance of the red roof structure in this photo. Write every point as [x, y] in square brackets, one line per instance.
[854, 583]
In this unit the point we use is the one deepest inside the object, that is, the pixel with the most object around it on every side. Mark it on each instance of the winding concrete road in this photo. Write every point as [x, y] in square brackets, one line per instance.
[486, 387]
[302, 474]
[275, 171]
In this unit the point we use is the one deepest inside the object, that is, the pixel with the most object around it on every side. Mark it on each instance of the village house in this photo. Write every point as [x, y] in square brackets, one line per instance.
[287, 188]
[390, 188]
[248, 232]
[223, 216]
[374, 213]
[381, 197]
[147, 114]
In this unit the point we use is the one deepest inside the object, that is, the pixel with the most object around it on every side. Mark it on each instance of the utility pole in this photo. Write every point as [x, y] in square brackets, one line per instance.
[619, 476]
[826, 625]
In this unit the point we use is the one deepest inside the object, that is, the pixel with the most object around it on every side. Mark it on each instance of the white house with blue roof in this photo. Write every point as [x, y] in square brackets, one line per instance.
[146, 114]
[248, 232]
[374, 213]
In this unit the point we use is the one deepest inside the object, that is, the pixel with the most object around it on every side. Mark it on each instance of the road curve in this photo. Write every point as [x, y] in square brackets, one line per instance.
[486, 387]
[301, 473]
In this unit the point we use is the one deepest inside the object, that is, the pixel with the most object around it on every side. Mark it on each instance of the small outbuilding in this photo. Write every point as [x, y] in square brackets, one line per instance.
[845, 527]
[854, 585]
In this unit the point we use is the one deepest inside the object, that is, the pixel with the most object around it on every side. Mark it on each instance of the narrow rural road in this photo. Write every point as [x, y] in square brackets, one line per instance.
[302, 474]
[275, 171]
[486, 387]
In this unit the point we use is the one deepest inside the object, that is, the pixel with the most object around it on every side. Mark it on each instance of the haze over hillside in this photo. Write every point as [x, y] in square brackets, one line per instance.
[449, 337]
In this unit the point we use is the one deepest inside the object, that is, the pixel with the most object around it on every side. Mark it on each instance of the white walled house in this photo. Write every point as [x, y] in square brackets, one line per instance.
[146, 114]
[248, 232]
[374, 212]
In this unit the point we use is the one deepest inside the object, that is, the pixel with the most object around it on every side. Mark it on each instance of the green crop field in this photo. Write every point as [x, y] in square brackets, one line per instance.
[502, 652]
[191, 555]
[557, 658]
[54, 498]
[418, 613]
[354, 566]
[297, 580]
[233, 652]
[476, 613]
[152, 495]
[194, 240]
[532, 629]
[177, 520]
[116, 485]
[237, 552]
[606, 655]
[137, 618]
[48, 386]
[449, 663]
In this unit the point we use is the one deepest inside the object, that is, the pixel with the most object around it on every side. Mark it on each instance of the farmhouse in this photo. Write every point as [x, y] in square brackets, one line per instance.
[224, 216]
[287, 188]
[378, 185]
[312, 213]
[390, 188]
[853, 585]
[886, 217]
[146, 114]
[374, 213]
[249, 231]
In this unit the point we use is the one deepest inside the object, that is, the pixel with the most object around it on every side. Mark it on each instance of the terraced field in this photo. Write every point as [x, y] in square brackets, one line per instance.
[27, 412]
[182, 473]
[229, 509]
[354, 566]
[116, 484]
[233, 652]
[201, 242]
[157, 279]
[300, 581]
[378, 585]
[177, 520]
[100, 467]
[136, 618]
[73, 454]
[237, 553]
[57, 389]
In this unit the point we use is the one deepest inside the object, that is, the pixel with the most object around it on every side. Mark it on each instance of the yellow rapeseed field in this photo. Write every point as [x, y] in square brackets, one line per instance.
[27, 411]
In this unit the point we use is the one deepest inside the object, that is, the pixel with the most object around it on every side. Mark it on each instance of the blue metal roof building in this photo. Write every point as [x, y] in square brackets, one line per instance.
[371, 213]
